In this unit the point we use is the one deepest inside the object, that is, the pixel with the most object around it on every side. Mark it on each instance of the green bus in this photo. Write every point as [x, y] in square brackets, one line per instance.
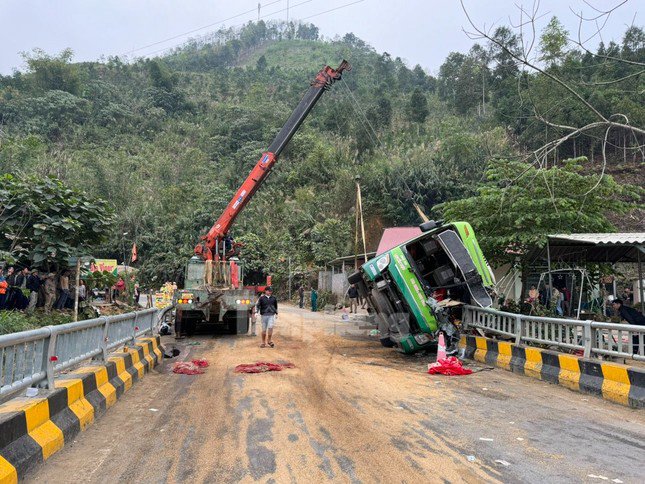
[416, 289]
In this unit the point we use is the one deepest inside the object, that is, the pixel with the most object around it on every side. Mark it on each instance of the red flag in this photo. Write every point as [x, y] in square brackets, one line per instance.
[134, 252]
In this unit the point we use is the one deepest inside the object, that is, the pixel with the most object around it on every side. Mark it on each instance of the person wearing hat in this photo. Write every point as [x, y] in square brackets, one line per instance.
[631, 316]
[267, 306]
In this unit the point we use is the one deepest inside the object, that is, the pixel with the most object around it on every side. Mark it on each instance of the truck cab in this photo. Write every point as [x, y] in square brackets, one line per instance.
[416, 289]
[211, 297]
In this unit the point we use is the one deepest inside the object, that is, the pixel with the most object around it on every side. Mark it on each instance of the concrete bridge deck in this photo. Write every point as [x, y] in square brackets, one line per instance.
[351, 411]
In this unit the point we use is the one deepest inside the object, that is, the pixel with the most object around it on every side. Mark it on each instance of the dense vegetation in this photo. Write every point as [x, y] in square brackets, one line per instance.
[168, 140]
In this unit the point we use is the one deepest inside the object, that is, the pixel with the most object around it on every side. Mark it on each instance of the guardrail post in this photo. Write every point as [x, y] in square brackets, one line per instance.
[134, 327]
[518, 329]
[48, 354]
[588, 336]
[103, 356]
[466, 318]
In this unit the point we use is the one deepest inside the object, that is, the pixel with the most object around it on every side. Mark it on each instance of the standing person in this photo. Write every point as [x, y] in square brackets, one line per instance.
[118, 289]
[64, 291]
[314, 300]
[556, 299]
[566, 300]
[82, 290]
[3, 289]
[267, 306]
[21, 301]
[33, 284]
[50, 291]
[352, 292]
[11, 290]
[301, 296]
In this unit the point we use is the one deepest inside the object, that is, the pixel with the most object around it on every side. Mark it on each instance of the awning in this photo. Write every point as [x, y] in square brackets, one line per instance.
[597, 248]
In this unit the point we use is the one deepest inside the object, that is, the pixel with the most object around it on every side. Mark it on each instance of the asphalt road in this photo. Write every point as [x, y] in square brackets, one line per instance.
[351, 411]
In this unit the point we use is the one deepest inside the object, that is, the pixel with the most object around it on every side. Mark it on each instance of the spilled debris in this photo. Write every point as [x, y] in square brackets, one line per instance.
[194, 367]
[262, 367]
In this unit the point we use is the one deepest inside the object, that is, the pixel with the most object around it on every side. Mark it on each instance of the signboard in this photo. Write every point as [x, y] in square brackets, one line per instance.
[109, 265]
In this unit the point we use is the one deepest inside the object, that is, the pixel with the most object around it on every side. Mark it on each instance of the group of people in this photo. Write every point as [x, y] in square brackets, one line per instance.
[314, 298]
[25, 289]
[559, 298]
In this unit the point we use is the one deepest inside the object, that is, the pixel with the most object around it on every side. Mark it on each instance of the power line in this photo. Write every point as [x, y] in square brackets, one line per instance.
[260, 17]
[332, 9]
[199, 28]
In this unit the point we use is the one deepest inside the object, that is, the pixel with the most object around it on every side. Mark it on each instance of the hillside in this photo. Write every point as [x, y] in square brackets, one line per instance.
[167, 141]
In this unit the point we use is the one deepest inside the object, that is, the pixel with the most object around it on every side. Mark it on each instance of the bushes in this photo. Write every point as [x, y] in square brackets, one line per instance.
[14, 321]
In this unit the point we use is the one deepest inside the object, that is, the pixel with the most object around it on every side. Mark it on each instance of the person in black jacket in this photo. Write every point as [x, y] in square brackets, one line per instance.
[267, 306]
[352, 292]
[33, 284]
[632, 317]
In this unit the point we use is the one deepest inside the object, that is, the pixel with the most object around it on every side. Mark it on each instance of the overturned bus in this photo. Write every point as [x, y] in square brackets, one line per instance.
[416, 290]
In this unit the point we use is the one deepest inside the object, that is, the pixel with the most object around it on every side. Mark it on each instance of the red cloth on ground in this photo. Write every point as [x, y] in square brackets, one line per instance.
[261, 367]
[448, 366]
[195, 367]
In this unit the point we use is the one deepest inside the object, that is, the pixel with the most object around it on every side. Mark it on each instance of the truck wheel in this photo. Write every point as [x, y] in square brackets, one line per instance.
[429, 225]
[355, 278]
[387, 342]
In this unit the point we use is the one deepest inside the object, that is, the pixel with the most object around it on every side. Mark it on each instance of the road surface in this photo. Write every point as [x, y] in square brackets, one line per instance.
[351, 411]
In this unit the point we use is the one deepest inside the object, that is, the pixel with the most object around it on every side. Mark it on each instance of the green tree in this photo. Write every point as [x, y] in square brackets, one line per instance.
[261, 64]
[418, 106]
[521, 204]
[53, 72]
[553, 42]
[329, 239]
[45, 222]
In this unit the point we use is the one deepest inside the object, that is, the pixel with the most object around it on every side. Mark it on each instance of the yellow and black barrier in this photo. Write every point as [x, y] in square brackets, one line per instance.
[612, 381]
[33, 429]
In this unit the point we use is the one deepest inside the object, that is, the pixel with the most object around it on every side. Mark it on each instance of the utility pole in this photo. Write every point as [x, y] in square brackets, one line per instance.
[359, 219]
[289, 277]
[259, 6]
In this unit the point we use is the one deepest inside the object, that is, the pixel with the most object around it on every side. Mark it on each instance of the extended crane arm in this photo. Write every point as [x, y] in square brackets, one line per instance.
[208, 247]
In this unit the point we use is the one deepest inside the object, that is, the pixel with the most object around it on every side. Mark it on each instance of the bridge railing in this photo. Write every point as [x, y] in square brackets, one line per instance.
[592, 338]
[30, 358]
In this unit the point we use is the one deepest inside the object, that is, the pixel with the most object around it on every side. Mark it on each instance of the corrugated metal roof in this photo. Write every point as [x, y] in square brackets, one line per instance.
[630, 238]
[394, 236]
[600, 248]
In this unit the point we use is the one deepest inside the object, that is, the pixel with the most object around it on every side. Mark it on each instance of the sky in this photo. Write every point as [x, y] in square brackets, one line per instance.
[419, 31]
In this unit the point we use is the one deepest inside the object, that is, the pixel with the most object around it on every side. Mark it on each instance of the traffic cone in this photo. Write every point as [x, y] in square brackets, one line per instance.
[441, 348]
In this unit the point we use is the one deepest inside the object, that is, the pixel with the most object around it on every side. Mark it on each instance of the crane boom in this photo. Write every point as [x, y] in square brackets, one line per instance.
[208, 246]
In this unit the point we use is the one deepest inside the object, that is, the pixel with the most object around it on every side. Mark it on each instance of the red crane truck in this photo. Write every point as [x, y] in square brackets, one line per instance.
[213, 289]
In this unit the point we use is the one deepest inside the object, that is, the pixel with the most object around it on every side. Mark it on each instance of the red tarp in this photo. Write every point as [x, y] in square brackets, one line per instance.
[195, 367]
[448, 366]
[262, 366]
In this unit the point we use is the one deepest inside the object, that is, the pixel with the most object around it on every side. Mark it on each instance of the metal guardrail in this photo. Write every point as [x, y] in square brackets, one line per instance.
[34, 357]
[592, 338]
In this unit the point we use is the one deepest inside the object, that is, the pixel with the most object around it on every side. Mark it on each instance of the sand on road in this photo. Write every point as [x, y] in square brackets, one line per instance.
[350, 411]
